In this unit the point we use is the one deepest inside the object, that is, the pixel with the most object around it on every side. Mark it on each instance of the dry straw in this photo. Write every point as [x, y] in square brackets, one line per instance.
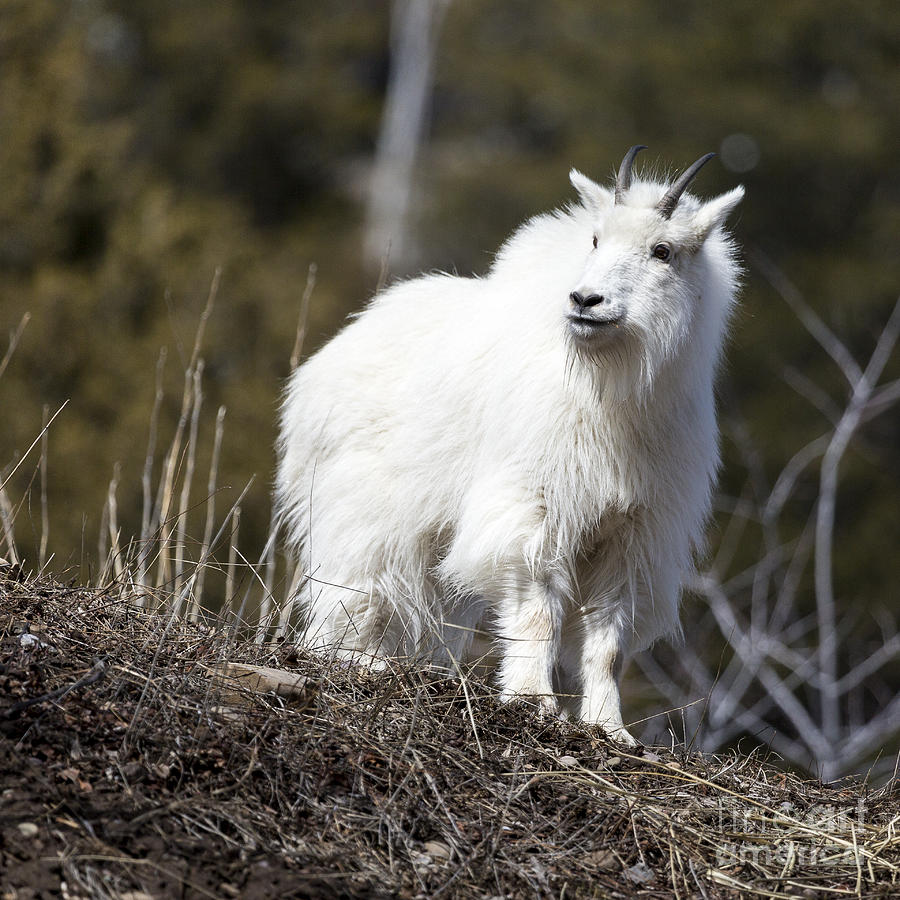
[401, 783]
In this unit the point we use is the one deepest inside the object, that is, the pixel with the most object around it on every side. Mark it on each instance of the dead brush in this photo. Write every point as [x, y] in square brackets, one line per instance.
[209, 577]
[164, 773]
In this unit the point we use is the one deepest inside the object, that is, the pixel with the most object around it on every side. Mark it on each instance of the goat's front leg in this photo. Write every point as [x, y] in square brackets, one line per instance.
[529, 622]
[603, 654]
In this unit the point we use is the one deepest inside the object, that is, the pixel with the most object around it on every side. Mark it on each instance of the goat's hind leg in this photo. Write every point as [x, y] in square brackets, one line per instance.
[356, 625]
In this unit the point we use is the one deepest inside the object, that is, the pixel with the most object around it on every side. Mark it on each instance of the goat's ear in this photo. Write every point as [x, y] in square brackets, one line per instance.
[593, 197]
[714, 212]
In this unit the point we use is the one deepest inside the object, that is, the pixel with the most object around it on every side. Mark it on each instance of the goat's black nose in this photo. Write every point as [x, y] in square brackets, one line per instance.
[582, 301]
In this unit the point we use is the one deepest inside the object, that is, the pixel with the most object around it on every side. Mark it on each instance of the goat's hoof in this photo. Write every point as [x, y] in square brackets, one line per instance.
[614, 732]
[548, 707]
[547, 704]
[621, 736]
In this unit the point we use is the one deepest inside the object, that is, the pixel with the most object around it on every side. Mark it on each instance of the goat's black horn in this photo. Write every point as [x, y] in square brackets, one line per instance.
[670, 199]
[623, 178]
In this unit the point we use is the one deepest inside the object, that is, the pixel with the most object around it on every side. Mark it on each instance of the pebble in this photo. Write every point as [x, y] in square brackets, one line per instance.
[28, 829]
[437, 849]
[640, 873]
[605, 860]
[29, 641]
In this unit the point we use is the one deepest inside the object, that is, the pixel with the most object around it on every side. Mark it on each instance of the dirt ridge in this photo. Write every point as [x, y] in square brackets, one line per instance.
[130, 769]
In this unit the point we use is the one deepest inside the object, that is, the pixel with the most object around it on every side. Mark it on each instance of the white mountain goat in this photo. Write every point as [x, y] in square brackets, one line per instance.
[530, 453]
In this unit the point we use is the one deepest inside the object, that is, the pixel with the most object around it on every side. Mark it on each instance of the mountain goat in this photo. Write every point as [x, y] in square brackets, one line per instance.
[530, 453]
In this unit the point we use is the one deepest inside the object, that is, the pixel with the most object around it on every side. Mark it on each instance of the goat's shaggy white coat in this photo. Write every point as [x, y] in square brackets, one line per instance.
[481, 453]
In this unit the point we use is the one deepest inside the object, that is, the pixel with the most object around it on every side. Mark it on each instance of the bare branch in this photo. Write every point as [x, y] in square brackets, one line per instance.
[415, 25]
[774, 684]
[825, 602]
[784, 484]
[882, 399]
[871, 664]
[14, 339]
[810, 391]
[826, 338]
[34, 443]
[303, 316]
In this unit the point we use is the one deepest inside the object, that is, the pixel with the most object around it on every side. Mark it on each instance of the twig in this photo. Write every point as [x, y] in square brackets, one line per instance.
[45, 515]
[304, 315]
[197, 593]
[181, 525]
[827, 339]
[34, 443]
[147, 522]
[97, 673]
[14, 339]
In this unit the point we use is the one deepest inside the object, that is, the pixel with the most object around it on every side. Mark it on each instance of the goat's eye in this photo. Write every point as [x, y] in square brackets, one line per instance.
[595, 241]
[662, 252]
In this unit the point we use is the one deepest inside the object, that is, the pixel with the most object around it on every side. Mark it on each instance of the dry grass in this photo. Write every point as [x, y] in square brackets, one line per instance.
[139, 770]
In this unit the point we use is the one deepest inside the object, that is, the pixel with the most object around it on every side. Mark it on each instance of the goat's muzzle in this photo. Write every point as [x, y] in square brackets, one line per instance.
[581, 302]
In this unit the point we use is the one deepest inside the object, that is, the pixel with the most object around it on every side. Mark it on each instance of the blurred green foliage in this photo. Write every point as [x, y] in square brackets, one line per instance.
[144, 144]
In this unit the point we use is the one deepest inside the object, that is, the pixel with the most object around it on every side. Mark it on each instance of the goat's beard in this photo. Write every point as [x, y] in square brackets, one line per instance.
[621, 370]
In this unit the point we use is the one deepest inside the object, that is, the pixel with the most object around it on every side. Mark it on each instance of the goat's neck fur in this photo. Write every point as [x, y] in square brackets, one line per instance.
[631, 424]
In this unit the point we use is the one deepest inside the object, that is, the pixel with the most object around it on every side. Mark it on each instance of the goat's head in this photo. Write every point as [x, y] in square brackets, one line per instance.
[641, 280]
